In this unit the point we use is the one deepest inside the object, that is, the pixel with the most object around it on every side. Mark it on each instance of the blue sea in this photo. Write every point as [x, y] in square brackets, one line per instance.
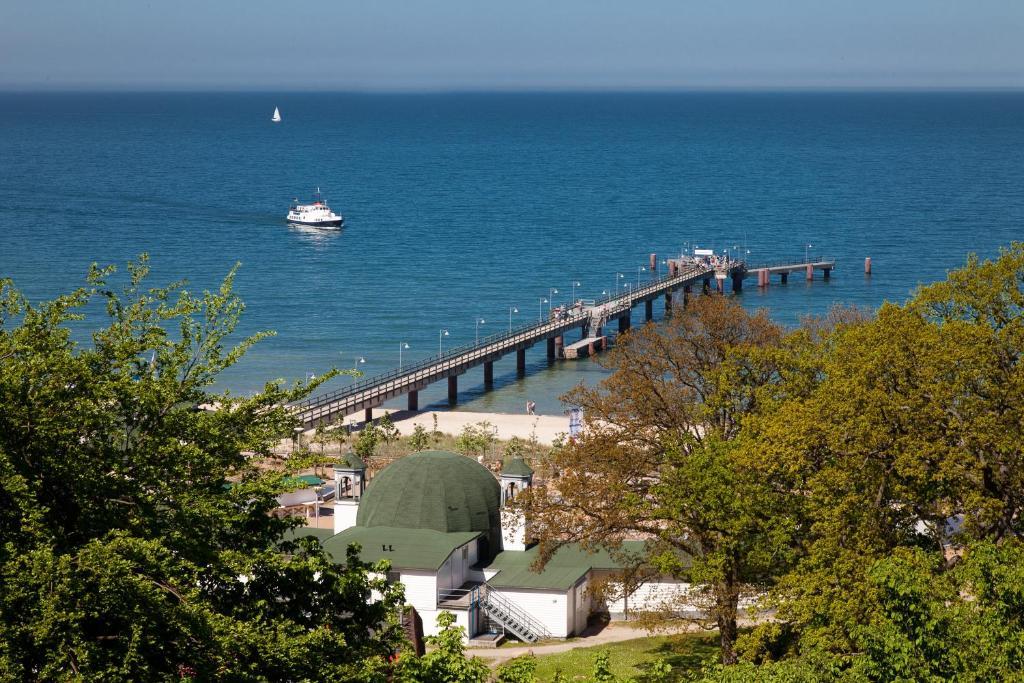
[462, 207]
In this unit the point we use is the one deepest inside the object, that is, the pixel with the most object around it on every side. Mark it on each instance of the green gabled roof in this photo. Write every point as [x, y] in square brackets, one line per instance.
[406, 548]
[351, 461]
[568, 565]
[303, 480]
[517, 467]
[446, 492]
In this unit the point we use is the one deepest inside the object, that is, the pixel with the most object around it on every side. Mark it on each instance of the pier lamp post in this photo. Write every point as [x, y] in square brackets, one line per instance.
[807, 252]
[357, 361]
[401, 346]
[629, 291]
[551, 295]
[479, 322]
[540, 309]
[575, 284]
[639, 269]
[440, 333]
[618, 276]
[511, 310]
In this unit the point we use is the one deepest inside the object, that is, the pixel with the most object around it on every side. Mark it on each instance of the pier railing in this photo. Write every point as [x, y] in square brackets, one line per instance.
[796, 262]
[423, 371]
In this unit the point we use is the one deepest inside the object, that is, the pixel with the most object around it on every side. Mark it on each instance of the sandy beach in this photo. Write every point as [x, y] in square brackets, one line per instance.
[546, 428]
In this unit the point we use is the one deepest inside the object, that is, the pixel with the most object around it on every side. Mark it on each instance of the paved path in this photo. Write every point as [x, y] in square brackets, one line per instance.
[612, 633]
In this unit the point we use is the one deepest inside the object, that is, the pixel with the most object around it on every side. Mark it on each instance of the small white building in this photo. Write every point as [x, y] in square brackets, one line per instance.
[440, 519]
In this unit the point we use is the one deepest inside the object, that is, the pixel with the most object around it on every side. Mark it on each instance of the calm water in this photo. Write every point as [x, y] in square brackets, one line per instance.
[460, 206]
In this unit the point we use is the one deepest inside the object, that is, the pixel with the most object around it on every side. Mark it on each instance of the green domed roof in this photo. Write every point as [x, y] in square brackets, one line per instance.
[433, 490]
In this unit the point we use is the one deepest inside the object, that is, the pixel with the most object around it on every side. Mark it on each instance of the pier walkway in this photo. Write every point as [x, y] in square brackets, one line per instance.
[372, 392]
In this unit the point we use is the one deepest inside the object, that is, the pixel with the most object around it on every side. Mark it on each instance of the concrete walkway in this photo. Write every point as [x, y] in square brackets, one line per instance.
[612, 633]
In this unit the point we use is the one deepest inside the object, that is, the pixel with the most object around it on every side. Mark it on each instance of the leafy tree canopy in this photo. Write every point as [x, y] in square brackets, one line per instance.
[135, 539]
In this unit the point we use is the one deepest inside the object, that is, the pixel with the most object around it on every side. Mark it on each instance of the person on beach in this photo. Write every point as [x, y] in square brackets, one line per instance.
[531, 408]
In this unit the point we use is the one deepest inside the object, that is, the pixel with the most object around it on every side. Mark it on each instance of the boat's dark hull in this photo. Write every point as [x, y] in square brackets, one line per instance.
[320, 224]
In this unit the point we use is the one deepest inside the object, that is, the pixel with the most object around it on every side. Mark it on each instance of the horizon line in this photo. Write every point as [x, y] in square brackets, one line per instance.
[526, 90]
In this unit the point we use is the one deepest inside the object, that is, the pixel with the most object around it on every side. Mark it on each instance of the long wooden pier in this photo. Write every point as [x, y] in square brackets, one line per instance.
[590, 319]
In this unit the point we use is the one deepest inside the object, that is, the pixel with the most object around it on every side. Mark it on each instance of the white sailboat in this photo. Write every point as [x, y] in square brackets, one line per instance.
[276, 118]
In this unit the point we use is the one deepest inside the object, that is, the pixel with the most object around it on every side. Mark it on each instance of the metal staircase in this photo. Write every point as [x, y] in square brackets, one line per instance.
[511, 617]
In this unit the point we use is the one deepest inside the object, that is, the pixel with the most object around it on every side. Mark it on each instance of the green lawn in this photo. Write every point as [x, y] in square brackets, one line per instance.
[685, 652]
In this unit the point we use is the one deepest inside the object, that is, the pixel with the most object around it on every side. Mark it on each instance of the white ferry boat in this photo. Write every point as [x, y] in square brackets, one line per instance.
[317, 214]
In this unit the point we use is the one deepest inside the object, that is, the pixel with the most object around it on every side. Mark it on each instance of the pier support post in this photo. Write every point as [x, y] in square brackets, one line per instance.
[671, 268]
[687, 290]
[720, 285]
[520, 362]
[785, 278]
[654, 263]
[707, 285]
[826, 273]
[488, 374]
[867, 266]
[559, 345]
[551, 348]
[414, 400]
[649, 310]
[737, 283]
[668, 302]
[810, 272]
[453, 390]
[624, 323]
[368, 416]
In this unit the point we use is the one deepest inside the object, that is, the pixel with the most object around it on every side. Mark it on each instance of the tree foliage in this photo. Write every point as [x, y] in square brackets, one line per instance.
[662, 457]
[903, 436]
[135, 539]
[446, 661]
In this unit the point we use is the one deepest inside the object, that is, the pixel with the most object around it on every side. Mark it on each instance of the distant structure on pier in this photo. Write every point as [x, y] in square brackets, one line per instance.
[702, 268]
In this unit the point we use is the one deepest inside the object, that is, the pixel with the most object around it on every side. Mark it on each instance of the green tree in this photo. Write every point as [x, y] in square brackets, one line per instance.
[664, 458]
[515, 448]
[387, 431]
[419, 439]
[367, 441]
[446, 661]
[904, 436]
[471, 441]
[135, 539]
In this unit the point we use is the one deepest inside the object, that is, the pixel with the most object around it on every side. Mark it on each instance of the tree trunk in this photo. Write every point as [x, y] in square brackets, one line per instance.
[727, 638]
[727, 605]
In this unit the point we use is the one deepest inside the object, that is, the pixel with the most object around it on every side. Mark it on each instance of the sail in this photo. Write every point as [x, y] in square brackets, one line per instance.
[277, 115]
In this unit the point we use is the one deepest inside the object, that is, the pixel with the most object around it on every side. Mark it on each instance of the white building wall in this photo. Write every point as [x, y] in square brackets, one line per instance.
[582, 606]
[513, 530]
[420, 590]
[550, 608]
[345, 512]
[653, 595]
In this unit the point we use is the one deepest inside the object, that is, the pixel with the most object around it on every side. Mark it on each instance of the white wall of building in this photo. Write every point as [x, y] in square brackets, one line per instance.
[652, 595]
[513, 530]
[345, 512]
[550, 608]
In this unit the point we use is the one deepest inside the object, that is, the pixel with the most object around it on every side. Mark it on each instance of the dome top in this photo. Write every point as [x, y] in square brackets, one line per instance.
[435, 490]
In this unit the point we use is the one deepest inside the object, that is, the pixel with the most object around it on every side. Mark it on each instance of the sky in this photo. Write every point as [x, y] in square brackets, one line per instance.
[416, 45]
